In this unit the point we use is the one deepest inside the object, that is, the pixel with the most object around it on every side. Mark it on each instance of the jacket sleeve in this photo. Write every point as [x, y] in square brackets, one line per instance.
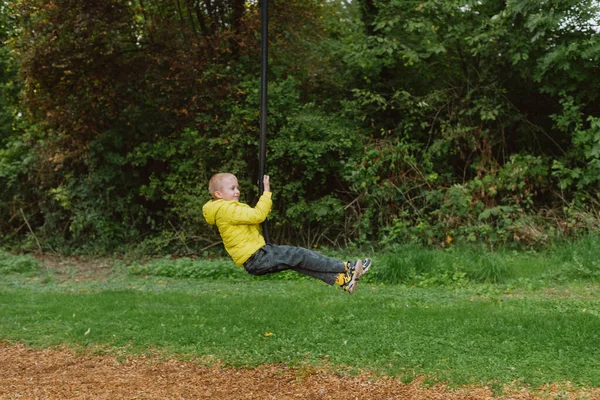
[241, 214]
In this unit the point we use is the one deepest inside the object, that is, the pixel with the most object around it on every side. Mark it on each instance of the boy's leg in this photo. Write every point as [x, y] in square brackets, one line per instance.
[329, 278]
[273, 258]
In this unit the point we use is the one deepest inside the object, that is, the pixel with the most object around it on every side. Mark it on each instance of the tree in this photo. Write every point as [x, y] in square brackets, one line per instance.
[8, 86]
[137, 103]
[458, 97]
[13, 145]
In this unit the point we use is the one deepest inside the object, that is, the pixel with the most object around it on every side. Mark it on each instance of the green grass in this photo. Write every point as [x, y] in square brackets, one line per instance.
[17, 264]
[532, 319]
[454, 336]
[413, 265]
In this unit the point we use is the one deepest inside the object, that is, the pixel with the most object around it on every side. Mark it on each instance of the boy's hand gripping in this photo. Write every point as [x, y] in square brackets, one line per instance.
[266, 184]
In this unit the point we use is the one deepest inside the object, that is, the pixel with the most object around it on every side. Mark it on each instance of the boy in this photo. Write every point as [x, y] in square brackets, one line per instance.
[239, 228]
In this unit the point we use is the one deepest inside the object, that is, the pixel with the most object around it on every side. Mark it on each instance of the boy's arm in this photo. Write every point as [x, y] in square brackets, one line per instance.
[239, 214]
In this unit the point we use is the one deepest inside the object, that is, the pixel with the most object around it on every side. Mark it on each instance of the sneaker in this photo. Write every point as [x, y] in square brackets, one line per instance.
[366, 264]
[355, 271]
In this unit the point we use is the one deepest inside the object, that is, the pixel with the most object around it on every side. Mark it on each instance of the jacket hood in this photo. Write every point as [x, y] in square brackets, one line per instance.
[209, 210]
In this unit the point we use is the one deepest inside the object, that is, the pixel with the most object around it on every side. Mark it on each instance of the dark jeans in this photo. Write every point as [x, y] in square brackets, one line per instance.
[272, 258]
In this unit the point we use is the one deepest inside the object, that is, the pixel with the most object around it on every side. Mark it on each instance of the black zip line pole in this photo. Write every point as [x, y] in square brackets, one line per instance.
[264, 8]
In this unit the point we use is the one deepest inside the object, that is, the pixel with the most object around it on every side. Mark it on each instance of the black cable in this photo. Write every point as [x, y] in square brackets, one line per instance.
[263, 106]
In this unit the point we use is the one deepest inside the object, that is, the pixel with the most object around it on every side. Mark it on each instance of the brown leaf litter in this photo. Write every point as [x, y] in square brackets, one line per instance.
[49, 374]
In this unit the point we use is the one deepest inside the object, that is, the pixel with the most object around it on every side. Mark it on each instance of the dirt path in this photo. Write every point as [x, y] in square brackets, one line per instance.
[63, 374]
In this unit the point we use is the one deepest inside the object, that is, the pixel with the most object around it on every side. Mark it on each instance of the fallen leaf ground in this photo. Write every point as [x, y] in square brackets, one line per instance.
[27, 373]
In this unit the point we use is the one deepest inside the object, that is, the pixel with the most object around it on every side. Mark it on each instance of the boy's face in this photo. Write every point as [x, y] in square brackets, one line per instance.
[229, 189]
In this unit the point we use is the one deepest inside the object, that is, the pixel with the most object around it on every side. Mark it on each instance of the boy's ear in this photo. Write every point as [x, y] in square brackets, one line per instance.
[217, 194]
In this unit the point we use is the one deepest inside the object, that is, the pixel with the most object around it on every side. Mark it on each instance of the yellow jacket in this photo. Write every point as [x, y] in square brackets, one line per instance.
[238, 225]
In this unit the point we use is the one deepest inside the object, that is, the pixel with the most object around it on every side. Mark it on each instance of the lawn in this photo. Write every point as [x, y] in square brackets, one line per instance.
[462, 334]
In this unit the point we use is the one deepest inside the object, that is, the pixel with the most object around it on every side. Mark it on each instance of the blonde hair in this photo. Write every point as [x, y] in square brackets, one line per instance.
[217, 179]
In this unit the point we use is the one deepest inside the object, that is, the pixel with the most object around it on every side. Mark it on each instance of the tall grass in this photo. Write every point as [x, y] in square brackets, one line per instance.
[578, 260]
[406, 264]
[413, 265]
[10, 263]
[416, 266]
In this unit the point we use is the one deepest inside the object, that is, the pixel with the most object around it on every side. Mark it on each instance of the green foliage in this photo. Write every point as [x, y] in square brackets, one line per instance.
[453, 92]
[579, 260]
[490, 269]
[188, 268]
[580, 168]
[133, 130]
[434, 122]
[10, 263]
[217, 269]
[9, 86]
[16, 145]
[457, 266]
[415, 266]
[412, 265]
